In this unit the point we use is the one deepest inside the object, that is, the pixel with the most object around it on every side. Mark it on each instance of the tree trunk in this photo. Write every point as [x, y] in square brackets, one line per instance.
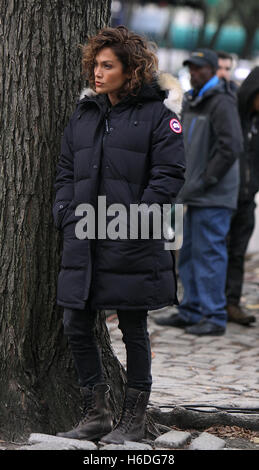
[221, 21]
[249, 41]
[40, 69]
[248, 17]
[201, 35]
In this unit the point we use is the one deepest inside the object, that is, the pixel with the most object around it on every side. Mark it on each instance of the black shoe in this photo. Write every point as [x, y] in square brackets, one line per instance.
[205, 327]
[173, 320]
[237, 315]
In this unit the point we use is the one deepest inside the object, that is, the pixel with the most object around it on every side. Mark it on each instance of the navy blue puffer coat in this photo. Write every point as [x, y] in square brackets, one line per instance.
[130, 154]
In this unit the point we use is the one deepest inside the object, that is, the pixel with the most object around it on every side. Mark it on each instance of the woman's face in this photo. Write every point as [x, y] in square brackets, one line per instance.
[108, 72]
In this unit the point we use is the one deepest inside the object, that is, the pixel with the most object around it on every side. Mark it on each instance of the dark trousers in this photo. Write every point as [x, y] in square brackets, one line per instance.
[241, 229]
[79, 327]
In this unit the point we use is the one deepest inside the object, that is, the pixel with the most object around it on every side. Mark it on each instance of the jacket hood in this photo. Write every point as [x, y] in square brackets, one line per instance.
[247, 90]
[165, 87]
[221, 87]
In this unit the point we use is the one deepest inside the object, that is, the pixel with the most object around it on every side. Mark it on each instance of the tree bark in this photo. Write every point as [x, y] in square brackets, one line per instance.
[40, 67]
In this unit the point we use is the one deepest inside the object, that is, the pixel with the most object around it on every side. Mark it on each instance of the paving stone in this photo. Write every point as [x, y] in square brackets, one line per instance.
[49, 440]
[207, 441]
[48, 446]
[128, 445]
[173, 439]
[224, 360]
[226, 368]
[244, 340]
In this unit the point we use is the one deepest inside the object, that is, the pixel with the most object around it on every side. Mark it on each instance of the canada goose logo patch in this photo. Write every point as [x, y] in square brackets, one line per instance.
[175, 126]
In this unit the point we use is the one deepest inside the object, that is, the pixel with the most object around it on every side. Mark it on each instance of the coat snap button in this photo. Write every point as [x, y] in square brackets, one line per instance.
[95, 166]
[61, 206]
[135, 123]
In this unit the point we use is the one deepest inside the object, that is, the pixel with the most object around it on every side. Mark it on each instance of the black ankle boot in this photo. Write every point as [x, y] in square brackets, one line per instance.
[131, 426]
[97, 419]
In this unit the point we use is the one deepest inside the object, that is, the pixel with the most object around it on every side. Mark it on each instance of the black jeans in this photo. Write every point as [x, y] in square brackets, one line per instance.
[241, 229]
[79, 327]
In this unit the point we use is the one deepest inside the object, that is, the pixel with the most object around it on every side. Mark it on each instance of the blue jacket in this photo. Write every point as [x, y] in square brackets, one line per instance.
[130, 154]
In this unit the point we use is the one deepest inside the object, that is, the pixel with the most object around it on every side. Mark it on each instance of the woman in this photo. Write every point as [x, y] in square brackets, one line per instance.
[124, 145]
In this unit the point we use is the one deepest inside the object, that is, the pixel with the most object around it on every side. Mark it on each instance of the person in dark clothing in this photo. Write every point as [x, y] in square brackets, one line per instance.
[225, 64]
[213, 142]
[123, 145]
[243, 220]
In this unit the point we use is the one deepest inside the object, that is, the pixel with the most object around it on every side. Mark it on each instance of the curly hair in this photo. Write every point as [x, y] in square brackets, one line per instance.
[136, 54]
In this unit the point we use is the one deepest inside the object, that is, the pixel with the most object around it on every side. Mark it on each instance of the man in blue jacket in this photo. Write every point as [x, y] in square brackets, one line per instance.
[213, 143]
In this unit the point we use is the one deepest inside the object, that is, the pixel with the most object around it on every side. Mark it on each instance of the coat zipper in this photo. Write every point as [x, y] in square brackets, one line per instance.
[107, 125]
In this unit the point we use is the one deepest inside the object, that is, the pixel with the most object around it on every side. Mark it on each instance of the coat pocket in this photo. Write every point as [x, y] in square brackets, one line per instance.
[59, 211]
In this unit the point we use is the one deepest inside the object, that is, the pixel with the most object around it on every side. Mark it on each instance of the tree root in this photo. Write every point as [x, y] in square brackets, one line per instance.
[194, 419]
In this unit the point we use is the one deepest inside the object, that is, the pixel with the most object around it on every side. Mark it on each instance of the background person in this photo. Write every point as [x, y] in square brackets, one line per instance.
[124, 141]
[213, 142]
[225, 68]
[225, 65]
[243, 221]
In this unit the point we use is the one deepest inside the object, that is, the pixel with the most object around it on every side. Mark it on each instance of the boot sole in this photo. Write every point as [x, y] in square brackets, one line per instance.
[121, 442]
[243, 322]
[219, 333]
[93, 437]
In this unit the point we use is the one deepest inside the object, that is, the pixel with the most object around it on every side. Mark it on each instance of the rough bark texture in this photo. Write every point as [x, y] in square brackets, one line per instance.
[40, 68]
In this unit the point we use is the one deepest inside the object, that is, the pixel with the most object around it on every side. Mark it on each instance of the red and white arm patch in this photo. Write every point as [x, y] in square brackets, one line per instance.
[175, 126]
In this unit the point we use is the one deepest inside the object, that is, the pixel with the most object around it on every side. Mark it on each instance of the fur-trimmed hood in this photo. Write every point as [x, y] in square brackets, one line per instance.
[165, 88]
